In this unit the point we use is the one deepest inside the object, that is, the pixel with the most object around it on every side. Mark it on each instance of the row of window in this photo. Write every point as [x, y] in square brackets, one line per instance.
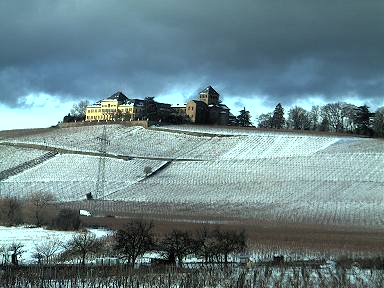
[107, 117]
[103, 117]
[108, 110]
[126, 110]
[206, 96]
[94, 110]
[109, 105]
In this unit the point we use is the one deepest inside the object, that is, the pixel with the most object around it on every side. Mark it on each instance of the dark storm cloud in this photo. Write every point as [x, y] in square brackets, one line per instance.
[284, 50]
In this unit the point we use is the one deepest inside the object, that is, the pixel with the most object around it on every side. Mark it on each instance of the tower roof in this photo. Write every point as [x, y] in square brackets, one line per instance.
[209, 90]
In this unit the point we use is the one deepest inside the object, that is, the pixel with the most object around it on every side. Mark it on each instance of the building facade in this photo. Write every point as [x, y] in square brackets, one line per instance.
[208, 109]
[114, 107]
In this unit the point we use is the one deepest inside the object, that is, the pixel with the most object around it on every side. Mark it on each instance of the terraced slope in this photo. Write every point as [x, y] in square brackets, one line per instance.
[70, 177]
[11, 157]
[283, 177]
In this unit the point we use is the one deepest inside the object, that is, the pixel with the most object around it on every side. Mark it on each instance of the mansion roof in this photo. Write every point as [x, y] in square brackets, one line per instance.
[121, 99]
[119, 96]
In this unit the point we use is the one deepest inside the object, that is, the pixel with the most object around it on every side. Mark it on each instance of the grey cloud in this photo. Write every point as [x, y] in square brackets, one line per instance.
[284, 50]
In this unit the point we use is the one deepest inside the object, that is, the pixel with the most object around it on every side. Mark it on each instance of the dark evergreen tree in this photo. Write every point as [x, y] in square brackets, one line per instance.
[244, 118]
[378, 122]
[150, 109]
[363, 120]
[67, 219]
[324, 125]
[278, 120]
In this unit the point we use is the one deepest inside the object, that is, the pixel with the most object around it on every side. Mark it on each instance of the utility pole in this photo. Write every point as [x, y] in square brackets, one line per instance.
[100, 184]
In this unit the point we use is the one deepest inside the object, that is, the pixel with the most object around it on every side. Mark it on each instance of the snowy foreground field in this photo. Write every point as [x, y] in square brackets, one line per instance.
[308, 271]
[257, 273]
[30, 237]
[283, 177]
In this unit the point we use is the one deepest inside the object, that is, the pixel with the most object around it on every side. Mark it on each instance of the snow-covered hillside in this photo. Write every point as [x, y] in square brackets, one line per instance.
[270, 175]
[12, 156]
[70, 177]
[138, 141]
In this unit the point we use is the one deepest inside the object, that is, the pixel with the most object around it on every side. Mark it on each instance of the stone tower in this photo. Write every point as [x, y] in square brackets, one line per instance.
[209, 96]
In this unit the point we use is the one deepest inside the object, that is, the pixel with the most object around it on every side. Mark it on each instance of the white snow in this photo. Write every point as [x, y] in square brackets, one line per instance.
[12, 156]
[30, 237]
[70, 177]
[84, 213]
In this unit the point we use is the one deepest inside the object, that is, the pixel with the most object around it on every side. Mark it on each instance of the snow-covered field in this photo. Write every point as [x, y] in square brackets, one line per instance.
[269, 175]
[32, 237]
[70, 176]
[13, 156]
[138, 141]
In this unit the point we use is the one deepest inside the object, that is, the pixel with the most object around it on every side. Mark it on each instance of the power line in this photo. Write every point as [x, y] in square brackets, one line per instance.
[100, 184]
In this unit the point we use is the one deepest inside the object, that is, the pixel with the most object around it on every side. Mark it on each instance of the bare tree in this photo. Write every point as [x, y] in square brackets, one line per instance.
[38, 203]
[265, 120]
[82, 245]
[230, 242]
[17, 250]
[176, 245]
[134, 240]
[78, 110]
[45, 251]
[206, 244]
[339, 115]
[298, 118]
[349, 117]
[333, 113]
[4, 254]
[314, 117]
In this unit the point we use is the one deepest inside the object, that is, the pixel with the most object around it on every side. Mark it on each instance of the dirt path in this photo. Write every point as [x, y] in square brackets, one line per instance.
[89, 153]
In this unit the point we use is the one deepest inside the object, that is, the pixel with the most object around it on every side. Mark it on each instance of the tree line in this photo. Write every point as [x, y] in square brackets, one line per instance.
[338, 117]
[333, 117]
[213, 245]
[37, 209]
[135, 239]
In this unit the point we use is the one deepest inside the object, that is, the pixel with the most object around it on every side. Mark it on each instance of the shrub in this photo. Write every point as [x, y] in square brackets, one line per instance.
[67, 219]
[10, 211]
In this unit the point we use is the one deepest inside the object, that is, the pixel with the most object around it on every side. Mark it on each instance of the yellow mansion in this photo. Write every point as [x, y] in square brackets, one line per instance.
[117, 105]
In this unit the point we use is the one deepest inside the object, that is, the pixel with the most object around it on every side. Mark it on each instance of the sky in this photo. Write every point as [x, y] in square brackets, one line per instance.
[255, 53]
